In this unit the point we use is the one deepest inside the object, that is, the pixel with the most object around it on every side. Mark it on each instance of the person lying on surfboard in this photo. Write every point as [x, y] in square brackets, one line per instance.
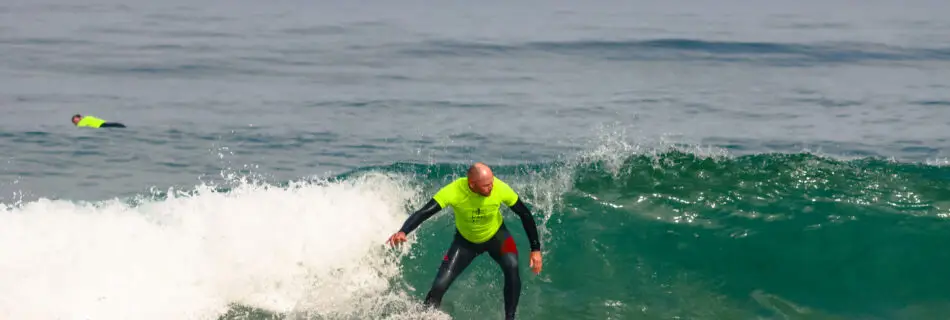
[93, 122]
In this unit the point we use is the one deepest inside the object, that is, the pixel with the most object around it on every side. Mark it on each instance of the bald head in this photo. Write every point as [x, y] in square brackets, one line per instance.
[480, 179]
[479, 171]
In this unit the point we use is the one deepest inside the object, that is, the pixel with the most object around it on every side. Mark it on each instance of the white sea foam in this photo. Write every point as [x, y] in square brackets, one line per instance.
[314, 248]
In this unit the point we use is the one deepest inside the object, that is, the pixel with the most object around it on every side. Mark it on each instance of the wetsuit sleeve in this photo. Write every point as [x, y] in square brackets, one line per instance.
[529, 226]
[413, 222]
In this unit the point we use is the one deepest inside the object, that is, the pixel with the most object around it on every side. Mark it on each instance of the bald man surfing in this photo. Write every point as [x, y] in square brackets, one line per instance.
[479, 227]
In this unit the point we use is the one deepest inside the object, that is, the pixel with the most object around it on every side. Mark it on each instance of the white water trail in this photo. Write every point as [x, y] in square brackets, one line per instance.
[307, 248]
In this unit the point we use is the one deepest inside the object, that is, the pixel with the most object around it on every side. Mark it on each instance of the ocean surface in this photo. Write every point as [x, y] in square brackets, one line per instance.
[684, 160]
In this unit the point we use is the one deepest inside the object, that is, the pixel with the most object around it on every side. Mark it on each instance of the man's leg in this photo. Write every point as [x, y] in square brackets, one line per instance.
[112, 125]
[459, 256]
[503, 249]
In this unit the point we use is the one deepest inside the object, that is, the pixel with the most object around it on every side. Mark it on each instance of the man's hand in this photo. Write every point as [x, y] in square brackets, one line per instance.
[536, 261]
[397, 238]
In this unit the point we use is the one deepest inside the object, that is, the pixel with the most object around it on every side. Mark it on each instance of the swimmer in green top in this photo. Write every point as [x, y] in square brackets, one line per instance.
[93, 122]
[476, 201]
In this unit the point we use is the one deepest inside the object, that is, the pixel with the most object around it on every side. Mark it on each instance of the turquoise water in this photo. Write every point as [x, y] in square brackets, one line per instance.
[768, 236]
[744, 160]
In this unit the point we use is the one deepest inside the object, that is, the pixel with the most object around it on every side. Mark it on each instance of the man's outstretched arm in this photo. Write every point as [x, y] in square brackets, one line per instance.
[421, 215]
[532, 230]
[414, 220]
[530, 227]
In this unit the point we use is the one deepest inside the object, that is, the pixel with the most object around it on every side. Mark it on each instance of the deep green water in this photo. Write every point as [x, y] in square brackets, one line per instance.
[680, 236]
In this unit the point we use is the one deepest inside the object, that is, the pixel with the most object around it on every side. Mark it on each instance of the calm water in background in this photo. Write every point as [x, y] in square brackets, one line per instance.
[288, 90]
[298, 88]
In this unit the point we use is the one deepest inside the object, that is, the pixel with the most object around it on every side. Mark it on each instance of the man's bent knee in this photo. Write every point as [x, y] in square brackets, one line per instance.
[440, 286]
[509, 263]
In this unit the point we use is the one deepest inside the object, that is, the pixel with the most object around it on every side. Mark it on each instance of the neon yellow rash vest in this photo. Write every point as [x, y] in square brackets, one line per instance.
[477, 217]
[90, 121]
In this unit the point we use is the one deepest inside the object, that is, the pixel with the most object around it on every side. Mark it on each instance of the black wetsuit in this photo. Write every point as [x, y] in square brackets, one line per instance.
[501, 247]
[112, 125]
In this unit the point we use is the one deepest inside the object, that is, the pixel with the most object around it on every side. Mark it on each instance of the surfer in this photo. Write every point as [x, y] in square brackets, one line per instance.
[479, 227]
[93, 122]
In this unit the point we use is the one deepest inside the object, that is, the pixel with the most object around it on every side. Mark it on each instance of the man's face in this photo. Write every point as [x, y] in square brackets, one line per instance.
[481, 186]
[76, 120]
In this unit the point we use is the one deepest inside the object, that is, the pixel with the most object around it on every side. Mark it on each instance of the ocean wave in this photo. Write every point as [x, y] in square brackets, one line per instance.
[687, 50]
[661, 231]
